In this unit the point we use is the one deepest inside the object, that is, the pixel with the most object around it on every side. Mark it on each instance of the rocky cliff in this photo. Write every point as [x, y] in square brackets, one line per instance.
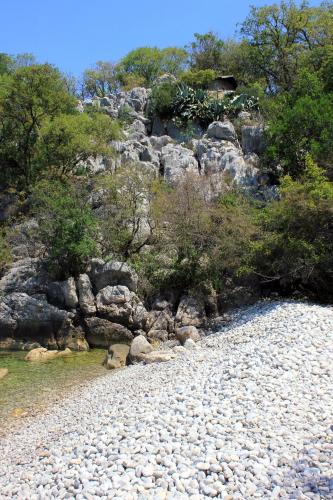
[101, 306]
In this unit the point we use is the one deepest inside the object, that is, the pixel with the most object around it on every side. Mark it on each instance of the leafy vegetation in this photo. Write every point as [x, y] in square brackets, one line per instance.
[295, 250]
[67, 226]
[174, 236]
[179, 101]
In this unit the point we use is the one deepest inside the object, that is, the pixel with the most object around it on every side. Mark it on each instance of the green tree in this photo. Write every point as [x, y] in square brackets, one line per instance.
[6, 63]
[282, 35]
[295, 251]
[100, 80]
[147, 63]
[4, 251]
[205, 52]
[126, 220]
[27, 98]
[298, 128]
[68, 142]
[67, 226]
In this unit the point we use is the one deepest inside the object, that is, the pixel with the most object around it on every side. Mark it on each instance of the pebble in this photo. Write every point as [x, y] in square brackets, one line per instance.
[245, 414]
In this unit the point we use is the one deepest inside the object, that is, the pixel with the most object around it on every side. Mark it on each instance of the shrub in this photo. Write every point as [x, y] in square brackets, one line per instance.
[67, 142]
[295, 252]
[198, 78]
[162, 99]
[125, 218]
[68, 227]
[5, 256]
[197, 240]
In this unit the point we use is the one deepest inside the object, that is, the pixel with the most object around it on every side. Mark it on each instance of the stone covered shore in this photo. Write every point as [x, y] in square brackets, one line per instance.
[246, 414]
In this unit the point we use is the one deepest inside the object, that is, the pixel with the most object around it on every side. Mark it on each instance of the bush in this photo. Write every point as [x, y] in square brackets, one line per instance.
[68, 227]
[196, 240]
[125, 218]
[5, 257]
[67, 142]
[295, 251]
[162, 99]
[298, 128]
[198, 79]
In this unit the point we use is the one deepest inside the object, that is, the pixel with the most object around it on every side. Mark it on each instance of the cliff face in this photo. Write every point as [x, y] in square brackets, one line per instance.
[217, 154]
[101, 306]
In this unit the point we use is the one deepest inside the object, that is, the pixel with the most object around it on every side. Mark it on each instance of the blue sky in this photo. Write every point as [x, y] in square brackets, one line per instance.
[73, 34]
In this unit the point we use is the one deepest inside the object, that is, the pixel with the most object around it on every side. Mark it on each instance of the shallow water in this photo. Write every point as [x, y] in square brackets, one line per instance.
[29, 387]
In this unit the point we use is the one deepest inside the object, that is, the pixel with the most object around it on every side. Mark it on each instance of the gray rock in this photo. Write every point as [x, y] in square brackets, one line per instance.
[190, 312]
[177, 161]
[25, 317]
[112, 273]
[137, 98]
[117, 356]
[253, 139]
[222, 130]
[222, 163]
[159, 142]
[139, 346]
[160, 320]
[159, 335]
[119, 305]
[25, 276]
[63, 294]
[86, 297]
[187, 333]
[102, 333]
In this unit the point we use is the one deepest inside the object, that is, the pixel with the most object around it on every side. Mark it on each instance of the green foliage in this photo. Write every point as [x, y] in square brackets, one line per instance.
[188, 105]
[5, 256]
[147, 63]
[195, 240]
[6, 63]
[206, 52]
[28, 97]
[295, 250]
[200, 78]
[100, 80]
[298, 128]
[126, 222]
[162, 99]
[282, 36]
[67, 226]
[67, 142]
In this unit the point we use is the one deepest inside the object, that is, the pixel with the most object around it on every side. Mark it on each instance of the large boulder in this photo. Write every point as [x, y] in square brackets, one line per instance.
[187, 332]
[161, 320]
[103, 274]
[116, 357]
[102, 333]
[26, 276]
[253, 139]
[3, 372]
[190, 312]
[63, 294]
[119, 305]
[222, 164]
[157, 357]
[222, 130]
[137, 99]
[41, 354]
[86, 297]
[139, 346]
[177, 161]
[26, 319]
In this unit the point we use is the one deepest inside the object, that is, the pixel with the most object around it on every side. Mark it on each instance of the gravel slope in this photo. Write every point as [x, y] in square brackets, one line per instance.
[247, 415]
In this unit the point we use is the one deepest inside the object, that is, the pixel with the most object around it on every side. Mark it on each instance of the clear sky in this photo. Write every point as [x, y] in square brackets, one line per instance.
[73, 34]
